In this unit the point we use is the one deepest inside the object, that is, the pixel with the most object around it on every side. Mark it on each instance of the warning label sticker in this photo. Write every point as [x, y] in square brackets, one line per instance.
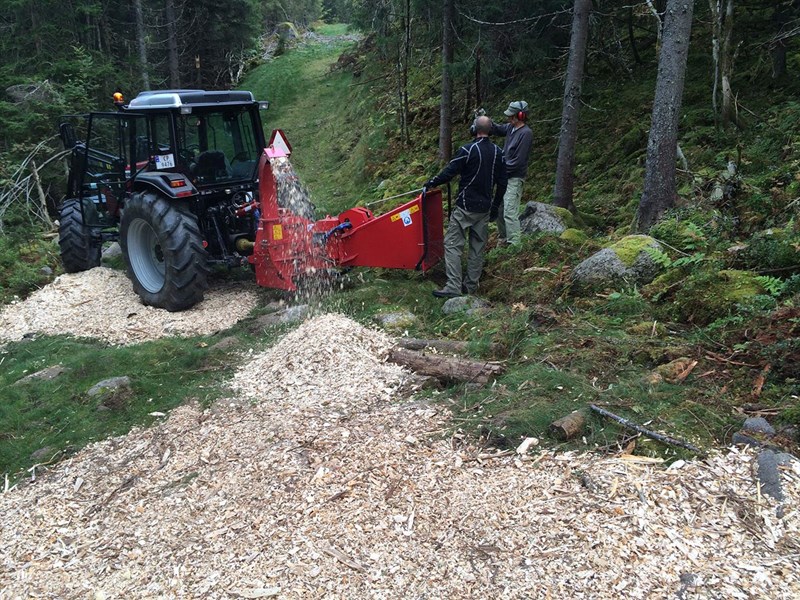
[405, 215]
[277, 232]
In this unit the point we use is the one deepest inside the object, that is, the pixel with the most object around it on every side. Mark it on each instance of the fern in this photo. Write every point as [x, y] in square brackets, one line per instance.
[659, 257]
[773, 285]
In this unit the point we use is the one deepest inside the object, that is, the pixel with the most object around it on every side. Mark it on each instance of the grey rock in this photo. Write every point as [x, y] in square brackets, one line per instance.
[113, 392]
[758, 425]
[225, 344]
[541, 218]
[112, 251]
[742, 439]
[396, 320]
[46, 271]
[24, 93]
[605, 268]
[47, 374]
[464, 304]
[769, 475]
[42, 453]
[382, 185]
[293, 314]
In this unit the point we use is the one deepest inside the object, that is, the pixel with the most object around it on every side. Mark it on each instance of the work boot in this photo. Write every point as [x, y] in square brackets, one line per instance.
[445, 293]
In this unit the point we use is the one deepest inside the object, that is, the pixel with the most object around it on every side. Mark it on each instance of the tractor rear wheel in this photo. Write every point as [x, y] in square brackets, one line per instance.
[163, 250]
[79, 252]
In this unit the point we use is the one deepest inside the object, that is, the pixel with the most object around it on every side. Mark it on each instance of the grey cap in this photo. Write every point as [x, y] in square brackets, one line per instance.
[515, 107]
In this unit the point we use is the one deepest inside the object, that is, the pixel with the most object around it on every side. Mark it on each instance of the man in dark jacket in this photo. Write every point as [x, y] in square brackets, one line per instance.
[519, 138]
[480, 191]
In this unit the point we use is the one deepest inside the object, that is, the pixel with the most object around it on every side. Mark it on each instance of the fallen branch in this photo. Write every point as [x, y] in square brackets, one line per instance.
[664, 439]
[446, 368]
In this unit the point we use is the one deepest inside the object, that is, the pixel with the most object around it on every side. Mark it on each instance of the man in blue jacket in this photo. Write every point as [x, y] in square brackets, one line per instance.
[517, 148]
[480, 191]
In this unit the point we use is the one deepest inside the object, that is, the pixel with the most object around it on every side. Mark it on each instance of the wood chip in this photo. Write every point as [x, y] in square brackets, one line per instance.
[241, 505]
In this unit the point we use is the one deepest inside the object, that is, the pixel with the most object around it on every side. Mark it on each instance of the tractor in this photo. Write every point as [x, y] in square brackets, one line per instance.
[186, 181]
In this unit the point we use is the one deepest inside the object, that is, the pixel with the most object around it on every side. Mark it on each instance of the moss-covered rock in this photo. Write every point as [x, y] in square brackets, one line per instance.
[574, 236]
[623, 263]
[705, 295]
[538, 217]
[629, 248]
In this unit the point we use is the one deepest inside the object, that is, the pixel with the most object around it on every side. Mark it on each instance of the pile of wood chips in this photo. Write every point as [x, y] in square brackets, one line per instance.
[100, 303]
[315, 480]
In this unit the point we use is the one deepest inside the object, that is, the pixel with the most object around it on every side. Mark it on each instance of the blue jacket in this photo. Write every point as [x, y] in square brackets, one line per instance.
[480, 164]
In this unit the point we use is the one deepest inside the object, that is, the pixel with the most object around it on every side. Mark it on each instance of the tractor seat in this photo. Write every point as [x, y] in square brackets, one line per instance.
[211, 165]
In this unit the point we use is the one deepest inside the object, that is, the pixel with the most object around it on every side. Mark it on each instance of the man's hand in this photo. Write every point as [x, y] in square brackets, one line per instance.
[428, 184]
[493, 212]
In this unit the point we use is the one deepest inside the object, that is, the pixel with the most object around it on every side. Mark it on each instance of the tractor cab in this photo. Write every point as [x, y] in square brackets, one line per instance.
[211, 141]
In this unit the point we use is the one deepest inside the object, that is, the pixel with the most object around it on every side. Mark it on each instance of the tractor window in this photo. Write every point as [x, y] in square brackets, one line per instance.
[218, 146]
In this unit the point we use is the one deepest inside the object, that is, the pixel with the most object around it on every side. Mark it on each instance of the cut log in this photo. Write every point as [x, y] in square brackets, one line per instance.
[446, 368]
[568, 427]
[449, 346]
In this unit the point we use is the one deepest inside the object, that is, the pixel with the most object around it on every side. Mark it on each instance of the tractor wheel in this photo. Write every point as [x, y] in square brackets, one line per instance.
[163, 250]
[78, 251]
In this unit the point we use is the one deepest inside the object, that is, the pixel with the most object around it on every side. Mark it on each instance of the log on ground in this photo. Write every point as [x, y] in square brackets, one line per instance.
[446, 368]
[449, 346]
[568, 427]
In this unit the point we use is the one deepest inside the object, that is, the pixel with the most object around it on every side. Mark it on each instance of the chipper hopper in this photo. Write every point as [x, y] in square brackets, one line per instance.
[185, 180]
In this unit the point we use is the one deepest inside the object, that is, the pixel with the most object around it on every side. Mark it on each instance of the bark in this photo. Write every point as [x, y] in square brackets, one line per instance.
[451, 346]
[565, 165]
[172, 45]
[665, 439]
[446, 106]
[141, 44]
[445, 368]
[660, 188]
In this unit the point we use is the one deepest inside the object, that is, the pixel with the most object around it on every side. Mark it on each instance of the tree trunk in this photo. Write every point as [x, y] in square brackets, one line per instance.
[141, 43]
[778, 59]
[451, 346]
[172, 45]
[724, 55]
[445, 368]
[565, 165]
[446, 108]
[660, 188]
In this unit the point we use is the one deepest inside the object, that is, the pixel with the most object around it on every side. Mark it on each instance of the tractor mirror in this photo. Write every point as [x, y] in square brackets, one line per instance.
[263, 105]
[68, 135]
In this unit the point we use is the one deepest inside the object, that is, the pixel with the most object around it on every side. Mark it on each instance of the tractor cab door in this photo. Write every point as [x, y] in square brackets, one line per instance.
[109, 163]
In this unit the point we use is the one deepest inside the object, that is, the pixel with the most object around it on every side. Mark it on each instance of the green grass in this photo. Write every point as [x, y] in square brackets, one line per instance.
[58, 414]
[326, 118]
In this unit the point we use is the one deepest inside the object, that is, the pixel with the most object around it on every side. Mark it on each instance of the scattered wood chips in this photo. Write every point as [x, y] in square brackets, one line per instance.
[316, 480]
[100, 303]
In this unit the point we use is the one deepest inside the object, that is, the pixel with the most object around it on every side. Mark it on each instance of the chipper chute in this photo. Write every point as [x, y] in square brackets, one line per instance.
[288, 245]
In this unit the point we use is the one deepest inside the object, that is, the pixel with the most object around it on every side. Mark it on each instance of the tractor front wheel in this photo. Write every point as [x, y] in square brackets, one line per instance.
[163, 250]
[79, 252]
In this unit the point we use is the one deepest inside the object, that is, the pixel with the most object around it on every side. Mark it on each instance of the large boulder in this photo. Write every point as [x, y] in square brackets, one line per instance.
[625, 262]
[545, 218]
[24, 93]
